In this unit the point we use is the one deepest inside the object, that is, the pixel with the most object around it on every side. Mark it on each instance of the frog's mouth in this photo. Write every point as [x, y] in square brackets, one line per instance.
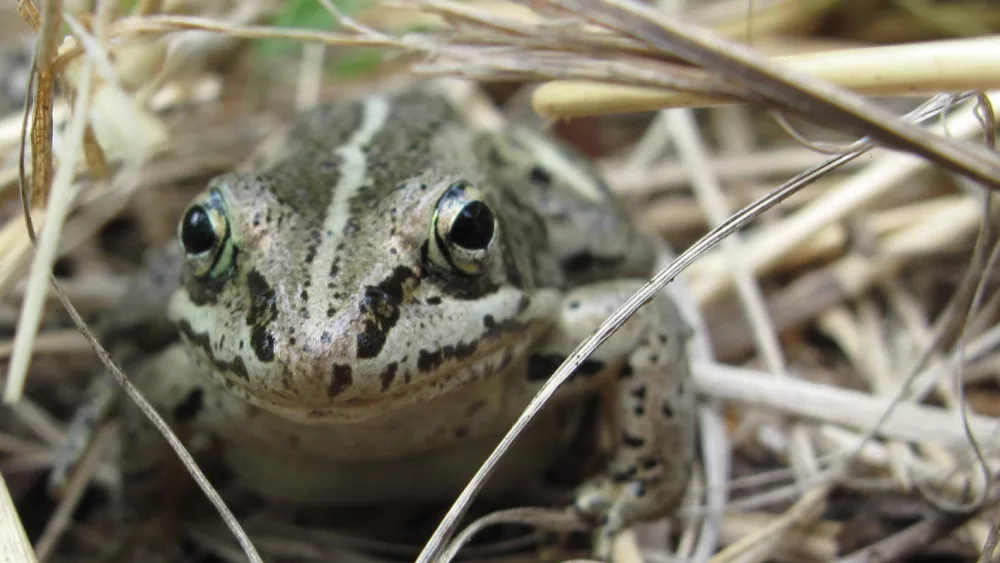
[317, 378]
[446, 370]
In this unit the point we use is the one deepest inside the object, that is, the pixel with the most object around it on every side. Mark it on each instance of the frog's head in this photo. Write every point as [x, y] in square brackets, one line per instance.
[380, 289]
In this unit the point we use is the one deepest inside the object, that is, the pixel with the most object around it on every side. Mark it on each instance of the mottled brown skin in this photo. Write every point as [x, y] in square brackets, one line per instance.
[340, 349]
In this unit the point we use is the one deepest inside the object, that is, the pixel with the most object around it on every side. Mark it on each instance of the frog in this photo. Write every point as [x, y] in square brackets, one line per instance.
[362, 317]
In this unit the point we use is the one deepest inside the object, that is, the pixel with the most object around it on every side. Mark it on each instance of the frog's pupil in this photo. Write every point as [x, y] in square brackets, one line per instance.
[473, 226]
[197, 233]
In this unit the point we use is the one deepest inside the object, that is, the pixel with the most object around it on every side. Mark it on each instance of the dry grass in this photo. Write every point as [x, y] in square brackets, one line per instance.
[848, 336]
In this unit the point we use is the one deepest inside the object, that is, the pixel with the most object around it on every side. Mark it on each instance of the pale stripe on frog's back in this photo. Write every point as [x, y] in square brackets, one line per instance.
[353, 174]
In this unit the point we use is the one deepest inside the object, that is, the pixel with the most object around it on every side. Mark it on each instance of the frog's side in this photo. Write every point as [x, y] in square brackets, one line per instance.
[365, 317]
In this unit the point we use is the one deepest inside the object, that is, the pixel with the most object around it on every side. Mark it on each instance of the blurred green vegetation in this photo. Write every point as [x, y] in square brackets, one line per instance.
[310, 14]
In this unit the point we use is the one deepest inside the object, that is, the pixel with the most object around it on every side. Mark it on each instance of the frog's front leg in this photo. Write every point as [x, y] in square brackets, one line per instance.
[649, 472]
[151, 471]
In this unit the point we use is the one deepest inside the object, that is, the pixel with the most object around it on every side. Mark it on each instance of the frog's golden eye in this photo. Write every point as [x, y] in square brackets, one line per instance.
[463, 230]
[204, 234]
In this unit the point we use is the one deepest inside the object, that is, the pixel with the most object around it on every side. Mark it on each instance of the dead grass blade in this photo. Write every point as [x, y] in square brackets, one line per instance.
[45, 75]
[790, 91]
[14, 544]
[895, 70]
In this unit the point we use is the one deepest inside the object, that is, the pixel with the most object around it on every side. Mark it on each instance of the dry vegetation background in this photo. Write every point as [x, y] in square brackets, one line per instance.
[850, 328]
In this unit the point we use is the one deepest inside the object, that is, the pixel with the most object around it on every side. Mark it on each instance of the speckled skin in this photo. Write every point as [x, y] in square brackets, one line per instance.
[336, 354]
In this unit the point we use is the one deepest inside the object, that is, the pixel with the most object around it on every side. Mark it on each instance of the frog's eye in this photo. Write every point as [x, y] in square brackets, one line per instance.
[463, 229]
[204, 234]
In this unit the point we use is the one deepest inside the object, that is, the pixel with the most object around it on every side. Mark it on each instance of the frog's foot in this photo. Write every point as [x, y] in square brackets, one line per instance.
[614, 503]
[100, 401]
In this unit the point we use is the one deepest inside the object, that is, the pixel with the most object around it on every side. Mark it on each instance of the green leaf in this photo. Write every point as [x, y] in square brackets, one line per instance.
[310, 14]
[356, 62]
[303, 14]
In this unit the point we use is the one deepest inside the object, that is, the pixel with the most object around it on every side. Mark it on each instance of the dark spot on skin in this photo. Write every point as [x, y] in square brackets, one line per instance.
[461, 432]
[190, 406]
[664, 338]
[262, 342]
[654, 359]
[640, 490]
[650, 463]
[639, 392]
[542, 366]
[626, 372]
[388, 375]
[433, 300]
[623, 476]
[291, 341]
[380, 309]
[326, 337]
[589, 368]
[430, 360]
[639, 410]
[304, 295]
[541, 176]
[340, 379]
[632, 441]
[262, 311]
[668, 411]
[573, 305]
[584, 262]
[236, 366]
[494, 329]
[331, 312]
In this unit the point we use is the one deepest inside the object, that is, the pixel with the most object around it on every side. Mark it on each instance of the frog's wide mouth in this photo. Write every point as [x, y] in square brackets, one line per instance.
[490, 356]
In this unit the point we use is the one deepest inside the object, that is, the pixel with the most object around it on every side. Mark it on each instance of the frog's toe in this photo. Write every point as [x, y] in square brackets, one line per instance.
[594, 499]
[615, 505]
